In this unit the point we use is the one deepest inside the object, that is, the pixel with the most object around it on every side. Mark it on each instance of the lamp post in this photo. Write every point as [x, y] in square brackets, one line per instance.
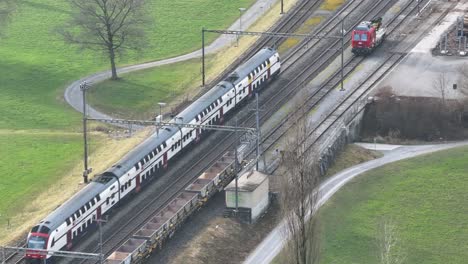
[161, 105]
[241, 9]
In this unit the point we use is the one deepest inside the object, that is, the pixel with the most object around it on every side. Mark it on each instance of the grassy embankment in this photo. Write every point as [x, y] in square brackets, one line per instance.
[40, 141]
[425, 197]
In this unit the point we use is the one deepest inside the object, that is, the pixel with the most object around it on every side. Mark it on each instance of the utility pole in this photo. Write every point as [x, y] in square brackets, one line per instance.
[84, 86]
[161, 104]
[101, 254]
[282, 8]
[257, 116]
[419, 8]
[203, 57]
[342, 54]
[235, 169]
[241, 9]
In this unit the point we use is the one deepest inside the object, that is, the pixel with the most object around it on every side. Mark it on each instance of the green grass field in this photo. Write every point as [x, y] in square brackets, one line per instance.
[424, 196]
[137, 94]
[37, 65]
[32, 173]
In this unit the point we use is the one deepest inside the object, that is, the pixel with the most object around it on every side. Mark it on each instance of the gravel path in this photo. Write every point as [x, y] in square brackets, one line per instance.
[74, 97]
[273, 243]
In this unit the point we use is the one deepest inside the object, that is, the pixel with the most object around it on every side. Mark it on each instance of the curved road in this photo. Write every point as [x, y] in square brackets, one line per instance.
[274, 242]
[74, 97]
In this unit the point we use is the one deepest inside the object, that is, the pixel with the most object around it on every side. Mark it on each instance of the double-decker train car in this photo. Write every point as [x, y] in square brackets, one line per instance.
[64, 226]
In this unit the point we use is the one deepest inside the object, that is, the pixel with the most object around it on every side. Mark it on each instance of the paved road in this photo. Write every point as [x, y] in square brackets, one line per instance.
[73, 95]
[273, 243]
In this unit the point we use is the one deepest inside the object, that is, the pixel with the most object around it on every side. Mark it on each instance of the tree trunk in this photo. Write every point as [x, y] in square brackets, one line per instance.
[112, 61]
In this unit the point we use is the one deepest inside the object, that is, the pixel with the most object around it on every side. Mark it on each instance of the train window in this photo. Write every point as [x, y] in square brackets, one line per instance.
[93, 202]
[197, 119]
[68, 221]
[137, 166]
[78, 214]
[107, 201]
[164, 145]
[34, 229]
[364, 37]
[159, 149]
[151, 155]
[356, 37]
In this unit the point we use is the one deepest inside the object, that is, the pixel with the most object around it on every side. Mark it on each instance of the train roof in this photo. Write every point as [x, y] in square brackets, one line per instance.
[64, 211]
[249, 66]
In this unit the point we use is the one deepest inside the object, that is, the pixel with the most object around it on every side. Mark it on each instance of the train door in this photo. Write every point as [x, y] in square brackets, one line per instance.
[165, 160]
[69, 239]
[138, 183]
[98, 213]
[268, 69]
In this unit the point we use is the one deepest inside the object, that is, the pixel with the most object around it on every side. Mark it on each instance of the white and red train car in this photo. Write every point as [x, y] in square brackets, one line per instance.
[64, 226]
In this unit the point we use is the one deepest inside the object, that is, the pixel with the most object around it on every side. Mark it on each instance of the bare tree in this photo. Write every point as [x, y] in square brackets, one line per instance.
[299, 197]
[389, 243]
[441, 86]
[463, 79]
[107, 25]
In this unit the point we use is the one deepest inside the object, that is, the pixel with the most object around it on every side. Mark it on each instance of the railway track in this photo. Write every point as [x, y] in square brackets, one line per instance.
[333, 81]
[225, 142]
[122, 234]
[14, 257]
[152, 206]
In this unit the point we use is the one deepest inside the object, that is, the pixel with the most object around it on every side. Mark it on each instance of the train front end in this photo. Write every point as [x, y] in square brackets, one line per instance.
[36, 242]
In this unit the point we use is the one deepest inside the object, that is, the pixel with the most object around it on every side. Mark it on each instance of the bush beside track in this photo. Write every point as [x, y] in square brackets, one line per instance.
[424, 196]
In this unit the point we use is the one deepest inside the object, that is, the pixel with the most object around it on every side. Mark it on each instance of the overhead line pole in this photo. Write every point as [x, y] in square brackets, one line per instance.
[84, 86]
[203, 57]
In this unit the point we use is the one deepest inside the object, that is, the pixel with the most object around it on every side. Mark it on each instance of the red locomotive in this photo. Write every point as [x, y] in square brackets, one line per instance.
[367, 36]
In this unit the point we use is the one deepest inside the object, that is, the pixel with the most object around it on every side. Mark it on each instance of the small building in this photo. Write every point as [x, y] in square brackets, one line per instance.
[253, 198]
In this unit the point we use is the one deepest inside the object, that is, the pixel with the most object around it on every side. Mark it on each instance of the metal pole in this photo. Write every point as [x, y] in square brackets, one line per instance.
[3, 255]
[419, 8]
[258, 131]
[446, 39]
[342, 54]
[101, 256]
[203, 57]
[240, 27]
[282, 6]
[464, 46]
[235, 169]
[83, 87]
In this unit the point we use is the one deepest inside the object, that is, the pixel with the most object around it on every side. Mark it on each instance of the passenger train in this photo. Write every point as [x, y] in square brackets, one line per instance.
[62, 228]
